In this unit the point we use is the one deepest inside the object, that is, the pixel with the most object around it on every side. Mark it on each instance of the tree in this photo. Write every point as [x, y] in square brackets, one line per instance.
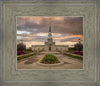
[78, 47]
[21, 47]
[71, 49]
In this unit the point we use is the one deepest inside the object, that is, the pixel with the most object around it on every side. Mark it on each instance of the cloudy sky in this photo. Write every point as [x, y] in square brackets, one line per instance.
[34, 30]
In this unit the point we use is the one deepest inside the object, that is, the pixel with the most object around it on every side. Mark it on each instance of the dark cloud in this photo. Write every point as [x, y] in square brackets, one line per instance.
[71, 25]
[72, 39]
[32, 28]
[64, 25]
[39, 38]
[27, 38]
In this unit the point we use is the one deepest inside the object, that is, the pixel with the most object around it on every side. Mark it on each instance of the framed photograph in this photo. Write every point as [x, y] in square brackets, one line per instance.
[50, 43]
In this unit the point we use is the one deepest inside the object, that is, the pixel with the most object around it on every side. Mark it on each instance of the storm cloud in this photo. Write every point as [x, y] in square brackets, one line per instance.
[62, 27]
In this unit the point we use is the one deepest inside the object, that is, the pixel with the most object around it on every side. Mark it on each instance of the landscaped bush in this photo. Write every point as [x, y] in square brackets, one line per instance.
[71, 49]
[76, 52]
[21, 47]
[28, 50]
[20, 52]
[79, 53]
[78, 47]
[50, 59]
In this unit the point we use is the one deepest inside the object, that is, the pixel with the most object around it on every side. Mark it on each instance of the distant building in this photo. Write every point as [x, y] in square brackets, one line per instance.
[49, 45]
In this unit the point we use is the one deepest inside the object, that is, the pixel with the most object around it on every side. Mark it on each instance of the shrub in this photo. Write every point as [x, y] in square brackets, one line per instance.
[29, 50]
[21, 47]
[71, 49]
[50, 59]
[78, 47]
[20, 52]
[76, 52]
[81, 52]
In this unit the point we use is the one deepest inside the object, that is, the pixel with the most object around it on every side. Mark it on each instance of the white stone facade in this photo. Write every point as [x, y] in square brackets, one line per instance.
[49, 45]
[47, 48]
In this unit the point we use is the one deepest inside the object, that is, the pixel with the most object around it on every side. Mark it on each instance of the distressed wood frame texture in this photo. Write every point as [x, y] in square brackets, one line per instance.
[86, 76]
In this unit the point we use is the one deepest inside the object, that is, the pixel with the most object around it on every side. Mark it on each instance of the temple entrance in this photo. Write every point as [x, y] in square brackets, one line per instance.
[49, 48]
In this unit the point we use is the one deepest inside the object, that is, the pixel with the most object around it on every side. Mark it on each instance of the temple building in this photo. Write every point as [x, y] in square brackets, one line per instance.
[50, 45]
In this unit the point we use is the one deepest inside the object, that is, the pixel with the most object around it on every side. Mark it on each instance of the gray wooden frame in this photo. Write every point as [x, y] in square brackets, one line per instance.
[87, 76]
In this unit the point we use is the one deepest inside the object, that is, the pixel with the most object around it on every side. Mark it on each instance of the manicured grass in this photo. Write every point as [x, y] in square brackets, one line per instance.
[22, 57]
[28, 51]
[71, 51]
[76, 57]
[50, 59]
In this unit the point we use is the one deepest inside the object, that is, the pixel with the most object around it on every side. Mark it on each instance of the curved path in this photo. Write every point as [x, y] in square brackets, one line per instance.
[31, 63]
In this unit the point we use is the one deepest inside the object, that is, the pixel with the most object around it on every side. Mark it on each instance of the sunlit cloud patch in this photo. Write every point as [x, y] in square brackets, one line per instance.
[34, 30]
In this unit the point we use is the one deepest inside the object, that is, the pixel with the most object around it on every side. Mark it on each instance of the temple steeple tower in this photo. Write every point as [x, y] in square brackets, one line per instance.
[50, 27]
[50, 42]
[50, 34]
[49, 45]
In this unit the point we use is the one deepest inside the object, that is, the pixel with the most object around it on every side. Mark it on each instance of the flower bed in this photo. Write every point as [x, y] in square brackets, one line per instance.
[20, 52]
[77, 52]
[49, 59]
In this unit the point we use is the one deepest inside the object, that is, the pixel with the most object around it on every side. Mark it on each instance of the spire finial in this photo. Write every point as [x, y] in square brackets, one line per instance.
[50, 25]
[49, 21]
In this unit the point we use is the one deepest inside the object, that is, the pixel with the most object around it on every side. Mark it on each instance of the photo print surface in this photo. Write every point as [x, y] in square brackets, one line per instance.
[49, 42]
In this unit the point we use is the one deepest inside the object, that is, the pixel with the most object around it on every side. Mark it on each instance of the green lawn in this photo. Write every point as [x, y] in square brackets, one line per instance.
[28, 51]
[27, 56]
[76, 57]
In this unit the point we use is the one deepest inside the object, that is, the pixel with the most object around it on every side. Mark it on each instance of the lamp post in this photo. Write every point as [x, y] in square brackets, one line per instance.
[79, 41]
[79, 46]
[21, 41]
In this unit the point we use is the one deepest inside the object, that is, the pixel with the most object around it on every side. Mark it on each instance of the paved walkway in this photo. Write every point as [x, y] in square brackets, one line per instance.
[31, 63]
